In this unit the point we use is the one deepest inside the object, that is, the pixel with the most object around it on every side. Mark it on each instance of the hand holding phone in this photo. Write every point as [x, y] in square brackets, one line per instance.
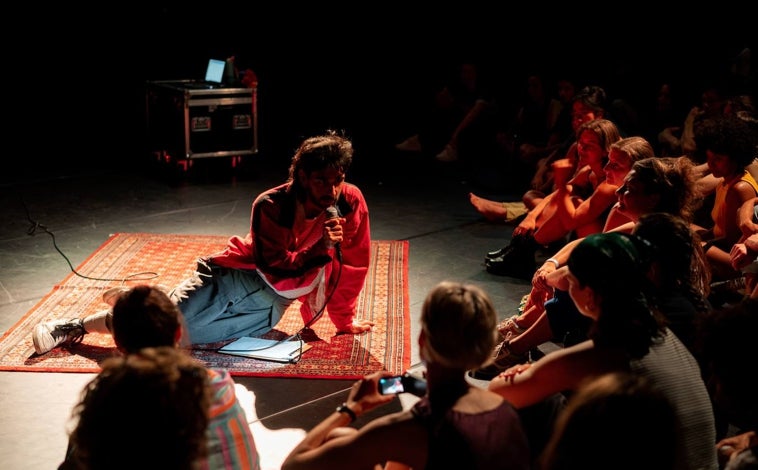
[405, 383]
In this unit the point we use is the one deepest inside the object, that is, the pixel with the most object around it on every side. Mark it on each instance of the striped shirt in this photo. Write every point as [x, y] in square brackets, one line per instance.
[230, 441]
[670, 367]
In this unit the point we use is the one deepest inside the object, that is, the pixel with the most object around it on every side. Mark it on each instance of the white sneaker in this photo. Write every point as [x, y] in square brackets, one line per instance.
[411, 144]
[111, 295]
[47, 336]
[448, 154]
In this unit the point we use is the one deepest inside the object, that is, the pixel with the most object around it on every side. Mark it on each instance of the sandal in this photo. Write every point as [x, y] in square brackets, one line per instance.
[509, 329]
[522, 303]
[503, 359]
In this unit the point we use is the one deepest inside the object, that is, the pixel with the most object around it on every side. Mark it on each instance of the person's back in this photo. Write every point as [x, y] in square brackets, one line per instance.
[230, 441]
[146, 410]
[728, 351]
[680, 277]
[144, 317]
[618, 420]
[461, 439]
[466, 428]
[671, 367]
[455, 425]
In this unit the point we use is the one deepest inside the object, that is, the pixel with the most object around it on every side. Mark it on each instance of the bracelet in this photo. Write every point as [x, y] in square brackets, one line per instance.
[343, 408]
[555, 262]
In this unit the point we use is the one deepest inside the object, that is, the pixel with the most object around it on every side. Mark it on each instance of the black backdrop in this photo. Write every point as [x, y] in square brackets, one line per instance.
[75, 75]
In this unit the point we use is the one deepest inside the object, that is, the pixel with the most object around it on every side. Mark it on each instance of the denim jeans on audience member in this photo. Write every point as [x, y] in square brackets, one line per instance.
[229, 304]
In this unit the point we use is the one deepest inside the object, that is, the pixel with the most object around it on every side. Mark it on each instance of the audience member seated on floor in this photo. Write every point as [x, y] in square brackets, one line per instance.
[145, 410]
[294, 249]
[730, 146]
[462, 103]
[586, 106]
[621, 156]
[728, 349]
[455, 425]
[145, 317]
[653, 185]
[607, 282]
[665, 111]
[562, 130]
[744, 254]
[524, 136]
[618, 420]
[578, 206]
[680, 140]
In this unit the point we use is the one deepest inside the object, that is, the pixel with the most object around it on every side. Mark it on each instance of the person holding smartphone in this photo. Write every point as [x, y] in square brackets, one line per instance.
[453, 425]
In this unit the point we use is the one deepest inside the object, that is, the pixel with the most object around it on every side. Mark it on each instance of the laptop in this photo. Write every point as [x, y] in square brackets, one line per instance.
[214, 76]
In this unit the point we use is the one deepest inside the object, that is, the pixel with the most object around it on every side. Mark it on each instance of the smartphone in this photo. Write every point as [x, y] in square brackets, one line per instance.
[405, 383]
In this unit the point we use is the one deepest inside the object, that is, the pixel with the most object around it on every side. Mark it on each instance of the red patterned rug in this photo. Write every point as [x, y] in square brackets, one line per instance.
[167, 259]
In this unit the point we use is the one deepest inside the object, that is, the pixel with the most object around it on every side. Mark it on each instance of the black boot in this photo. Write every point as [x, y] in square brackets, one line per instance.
[517, 261]
[516, 240]
[496, 253]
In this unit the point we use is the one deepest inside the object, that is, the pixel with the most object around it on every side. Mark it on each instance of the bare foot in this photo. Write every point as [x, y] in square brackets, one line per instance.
[491, 210]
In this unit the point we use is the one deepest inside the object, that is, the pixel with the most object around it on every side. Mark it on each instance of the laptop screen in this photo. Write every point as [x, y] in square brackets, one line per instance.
[215, 71]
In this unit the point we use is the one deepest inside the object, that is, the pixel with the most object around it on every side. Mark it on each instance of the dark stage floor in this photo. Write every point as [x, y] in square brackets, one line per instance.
[410, 198]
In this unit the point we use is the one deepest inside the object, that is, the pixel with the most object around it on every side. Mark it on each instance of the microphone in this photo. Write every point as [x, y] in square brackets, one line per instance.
[333, 213]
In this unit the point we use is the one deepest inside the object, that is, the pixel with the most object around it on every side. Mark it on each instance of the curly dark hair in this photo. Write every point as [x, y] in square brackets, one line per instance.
[331, 150]
[727, 135]
[155, 403]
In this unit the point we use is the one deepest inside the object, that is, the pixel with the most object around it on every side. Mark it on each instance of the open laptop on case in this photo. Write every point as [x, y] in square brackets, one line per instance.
[214, 76]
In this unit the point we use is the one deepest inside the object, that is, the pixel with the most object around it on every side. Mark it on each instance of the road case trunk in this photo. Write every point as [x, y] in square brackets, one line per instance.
[186, 121]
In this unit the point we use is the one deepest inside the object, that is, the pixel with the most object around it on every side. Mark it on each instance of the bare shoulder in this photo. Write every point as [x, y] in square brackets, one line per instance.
[625, 228]
[478, 400]
[606, 189]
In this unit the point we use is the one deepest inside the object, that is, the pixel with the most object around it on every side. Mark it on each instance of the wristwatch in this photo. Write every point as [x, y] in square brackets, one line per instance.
[343, 408]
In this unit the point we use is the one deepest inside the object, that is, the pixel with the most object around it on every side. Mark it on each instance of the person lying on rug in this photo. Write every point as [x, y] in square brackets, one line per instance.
[309, 240]
[144, 322]
[455, 425]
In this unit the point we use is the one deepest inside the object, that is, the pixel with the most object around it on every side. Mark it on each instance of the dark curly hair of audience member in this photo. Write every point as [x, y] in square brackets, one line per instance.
[147, 410]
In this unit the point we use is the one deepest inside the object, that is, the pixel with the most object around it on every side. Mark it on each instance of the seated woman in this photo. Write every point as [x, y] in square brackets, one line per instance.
[578, 205]
[659, 184]
[586, 105]
[455, 425]
[607, 282]
[729, 144]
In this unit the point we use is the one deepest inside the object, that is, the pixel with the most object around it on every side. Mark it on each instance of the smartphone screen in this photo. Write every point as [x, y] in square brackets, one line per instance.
[391, 385]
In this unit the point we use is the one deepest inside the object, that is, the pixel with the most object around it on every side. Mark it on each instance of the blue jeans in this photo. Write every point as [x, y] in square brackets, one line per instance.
[229, 304]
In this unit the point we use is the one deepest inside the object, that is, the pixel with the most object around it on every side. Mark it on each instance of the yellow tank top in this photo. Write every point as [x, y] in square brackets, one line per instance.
[719, 213]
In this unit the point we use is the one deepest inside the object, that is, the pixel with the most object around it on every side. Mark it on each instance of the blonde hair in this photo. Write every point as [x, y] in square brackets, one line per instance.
[459, 321]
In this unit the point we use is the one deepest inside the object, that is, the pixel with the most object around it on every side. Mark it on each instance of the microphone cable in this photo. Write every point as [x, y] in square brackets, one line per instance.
[35, 226]
[298, 335]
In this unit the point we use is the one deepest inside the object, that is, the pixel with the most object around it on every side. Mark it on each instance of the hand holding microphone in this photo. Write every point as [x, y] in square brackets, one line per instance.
[334, 229]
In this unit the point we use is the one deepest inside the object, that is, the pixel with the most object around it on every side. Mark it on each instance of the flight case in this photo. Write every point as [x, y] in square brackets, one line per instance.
[186, 120]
